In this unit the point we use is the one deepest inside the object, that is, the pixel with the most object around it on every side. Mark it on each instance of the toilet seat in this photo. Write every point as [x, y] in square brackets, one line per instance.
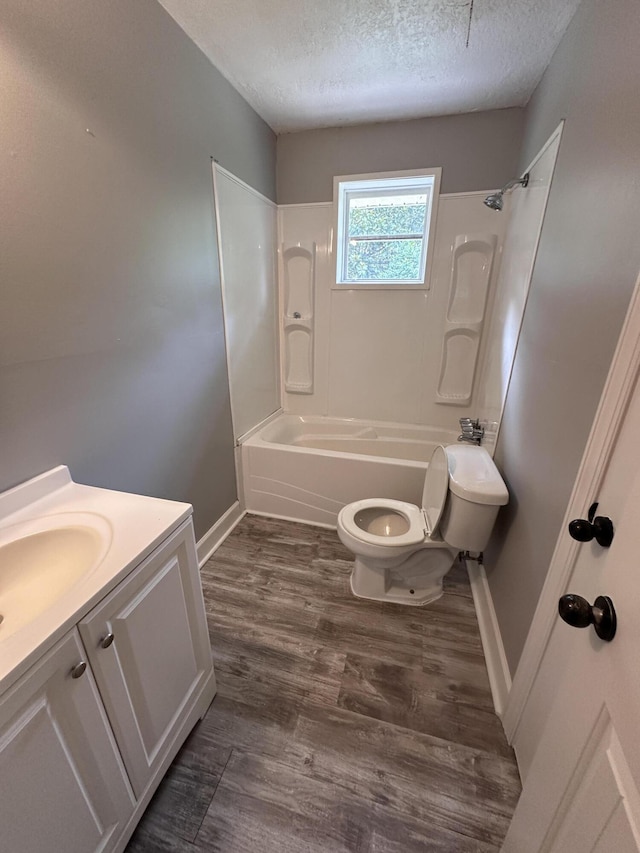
[423, 521]
[415, 518]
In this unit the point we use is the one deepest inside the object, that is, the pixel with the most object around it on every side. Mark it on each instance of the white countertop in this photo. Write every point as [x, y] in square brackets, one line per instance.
[132, 526]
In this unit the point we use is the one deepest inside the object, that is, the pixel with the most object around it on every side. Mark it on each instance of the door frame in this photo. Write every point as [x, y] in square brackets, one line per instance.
[610, 414]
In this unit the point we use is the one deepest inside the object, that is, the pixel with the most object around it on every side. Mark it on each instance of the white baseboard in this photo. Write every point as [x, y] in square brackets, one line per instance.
[215, 536]
[495, 657]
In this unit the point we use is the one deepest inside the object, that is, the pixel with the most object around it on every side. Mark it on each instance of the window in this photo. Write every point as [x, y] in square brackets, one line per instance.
[384, 228]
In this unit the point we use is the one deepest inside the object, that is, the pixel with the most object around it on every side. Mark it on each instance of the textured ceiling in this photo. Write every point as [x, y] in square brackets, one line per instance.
[304, 64]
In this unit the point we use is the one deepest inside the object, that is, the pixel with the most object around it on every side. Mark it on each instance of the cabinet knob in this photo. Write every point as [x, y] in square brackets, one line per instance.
[79, 669]
[106, 641]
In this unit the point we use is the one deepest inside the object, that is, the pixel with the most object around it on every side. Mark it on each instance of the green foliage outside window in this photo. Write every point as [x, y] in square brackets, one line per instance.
[385, 259]
[385, 220]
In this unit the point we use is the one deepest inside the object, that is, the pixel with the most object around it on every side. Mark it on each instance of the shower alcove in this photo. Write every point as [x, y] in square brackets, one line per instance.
[363, 368]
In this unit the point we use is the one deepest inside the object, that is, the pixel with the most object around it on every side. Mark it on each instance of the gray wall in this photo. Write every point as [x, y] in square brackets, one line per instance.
[111, 339]
[478, 151]
[587, 264]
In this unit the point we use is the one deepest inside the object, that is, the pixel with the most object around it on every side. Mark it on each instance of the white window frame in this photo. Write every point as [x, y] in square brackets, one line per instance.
[380, 183]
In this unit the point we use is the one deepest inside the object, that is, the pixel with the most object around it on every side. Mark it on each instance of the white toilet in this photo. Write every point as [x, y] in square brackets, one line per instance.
[403, 551]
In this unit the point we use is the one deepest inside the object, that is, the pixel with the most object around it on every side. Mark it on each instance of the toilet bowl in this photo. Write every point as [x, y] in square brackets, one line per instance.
[402, 551]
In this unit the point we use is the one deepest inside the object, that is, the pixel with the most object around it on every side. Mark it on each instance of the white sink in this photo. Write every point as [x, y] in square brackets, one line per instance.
[42, 560]
[63, 547]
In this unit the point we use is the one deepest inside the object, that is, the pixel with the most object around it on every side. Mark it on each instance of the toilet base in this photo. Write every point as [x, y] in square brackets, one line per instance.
[416, 581]
[397, 594]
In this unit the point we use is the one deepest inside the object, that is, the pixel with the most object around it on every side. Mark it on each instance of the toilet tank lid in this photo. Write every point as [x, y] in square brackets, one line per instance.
[473, 475]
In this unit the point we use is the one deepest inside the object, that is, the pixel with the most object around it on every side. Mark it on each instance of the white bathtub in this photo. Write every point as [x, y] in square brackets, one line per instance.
[307, 468]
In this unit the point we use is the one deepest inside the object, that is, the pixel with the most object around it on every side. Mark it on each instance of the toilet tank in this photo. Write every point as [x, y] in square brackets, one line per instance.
[476, 493]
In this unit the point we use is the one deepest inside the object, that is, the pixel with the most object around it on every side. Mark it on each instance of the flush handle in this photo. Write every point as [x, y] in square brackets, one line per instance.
[596, 527]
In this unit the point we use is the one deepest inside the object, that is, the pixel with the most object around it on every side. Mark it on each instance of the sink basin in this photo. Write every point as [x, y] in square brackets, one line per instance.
[63, 548]
[42, 561]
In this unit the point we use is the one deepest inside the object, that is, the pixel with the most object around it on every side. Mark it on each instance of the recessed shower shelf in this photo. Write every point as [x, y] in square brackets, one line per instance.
[472, 263]
[298, 277]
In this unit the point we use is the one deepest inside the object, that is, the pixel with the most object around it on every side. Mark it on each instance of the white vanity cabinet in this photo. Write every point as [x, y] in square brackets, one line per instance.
[63, 786]
[87, 733]
[148, 646]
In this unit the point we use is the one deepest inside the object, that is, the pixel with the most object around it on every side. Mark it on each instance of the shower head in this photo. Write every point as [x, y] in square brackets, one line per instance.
[495, 200]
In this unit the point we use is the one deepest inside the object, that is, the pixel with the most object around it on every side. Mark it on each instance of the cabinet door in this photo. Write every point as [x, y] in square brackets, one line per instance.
[62, 783]
[153, 670]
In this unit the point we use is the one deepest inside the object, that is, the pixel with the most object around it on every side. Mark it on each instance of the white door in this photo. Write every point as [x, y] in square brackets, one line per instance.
[582, 791]
[62, 783]
[149, 649]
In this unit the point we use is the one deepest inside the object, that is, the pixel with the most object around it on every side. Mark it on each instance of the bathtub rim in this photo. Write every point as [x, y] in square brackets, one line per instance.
[255, 439]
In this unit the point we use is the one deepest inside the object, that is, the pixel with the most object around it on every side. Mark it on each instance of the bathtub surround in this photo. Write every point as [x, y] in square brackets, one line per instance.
[526, 216]
[112, 354]
[477, 151]
[586, 267]
[380, 354]
[247, 239]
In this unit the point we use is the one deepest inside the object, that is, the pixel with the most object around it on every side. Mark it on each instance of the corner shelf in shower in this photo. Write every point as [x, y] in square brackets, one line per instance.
[298, 265]
[471, 266]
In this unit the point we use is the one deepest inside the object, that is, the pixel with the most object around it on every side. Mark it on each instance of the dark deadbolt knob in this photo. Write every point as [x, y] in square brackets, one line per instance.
[599, 528]
[576, 611]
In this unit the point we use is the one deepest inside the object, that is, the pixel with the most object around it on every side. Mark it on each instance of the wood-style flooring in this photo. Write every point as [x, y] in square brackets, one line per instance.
[340, 724]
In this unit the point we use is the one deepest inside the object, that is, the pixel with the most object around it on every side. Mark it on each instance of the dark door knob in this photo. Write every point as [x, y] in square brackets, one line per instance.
[576, 611]
[595, 527]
